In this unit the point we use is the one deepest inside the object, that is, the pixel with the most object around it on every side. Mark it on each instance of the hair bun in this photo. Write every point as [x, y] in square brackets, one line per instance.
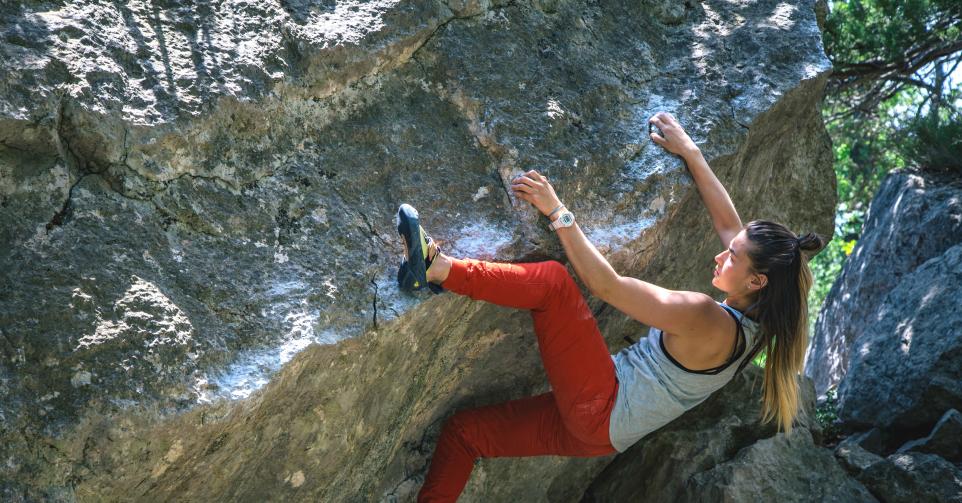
[811, 242]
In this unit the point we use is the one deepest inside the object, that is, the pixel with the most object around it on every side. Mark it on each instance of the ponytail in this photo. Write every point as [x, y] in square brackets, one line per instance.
[781, 309]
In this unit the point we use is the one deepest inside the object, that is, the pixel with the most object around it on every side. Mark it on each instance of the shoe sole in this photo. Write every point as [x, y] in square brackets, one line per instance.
[409, 228]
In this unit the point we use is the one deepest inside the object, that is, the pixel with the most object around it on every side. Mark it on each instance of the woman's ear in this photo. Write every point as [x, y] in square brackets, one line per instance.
[758, 281]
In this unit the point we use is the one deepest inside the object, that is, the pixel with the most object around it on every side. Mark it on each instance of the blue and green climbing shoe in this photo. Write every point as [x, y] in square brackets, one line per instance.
[412, 273]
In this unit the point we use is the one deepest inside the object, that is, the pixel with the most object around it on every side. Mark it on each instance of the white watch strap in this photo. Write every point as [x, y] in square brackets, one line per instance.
[554, 226]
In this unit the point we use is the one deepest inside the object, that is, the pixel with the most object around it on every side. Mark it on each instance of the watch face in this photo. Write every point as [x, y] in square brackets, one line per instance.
[567, 219]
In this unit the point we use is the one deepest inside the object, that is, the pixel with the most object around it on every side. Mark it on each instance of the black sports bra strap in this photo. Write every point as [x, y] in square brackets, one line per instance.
[740, 343]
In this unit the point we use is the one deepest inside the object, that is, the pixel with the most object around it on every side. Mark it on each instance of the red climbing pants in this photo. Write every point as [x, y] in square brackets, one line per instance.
[571, 419]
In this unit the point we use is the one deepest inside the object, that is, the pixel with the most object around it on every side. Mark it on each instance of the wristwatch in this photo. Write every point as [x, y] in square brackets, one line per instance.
[566, 219]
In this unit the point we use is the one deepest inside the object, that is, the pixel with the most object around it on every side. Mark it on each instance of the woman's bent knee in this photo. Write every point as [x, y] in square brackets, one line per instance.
[558, 274]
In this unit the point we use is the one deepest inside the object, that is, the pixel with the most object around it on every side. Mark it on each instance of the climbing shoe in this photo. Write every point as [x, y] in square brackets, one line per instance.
[412, 273]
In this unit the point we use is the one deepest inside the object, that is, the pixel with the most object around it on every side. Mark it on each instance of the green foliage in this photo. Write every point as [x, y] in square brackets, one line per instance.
[887, 106]
[866, 149]
[826, 415]
[935, 143]
[881, 30]
[881, 47]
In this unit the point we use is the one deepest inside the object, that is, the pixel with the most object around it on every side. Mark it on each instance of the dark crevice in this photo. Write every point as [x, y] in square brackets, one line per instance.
[735, 118]
[504, 185]
[451, 18]
[62, 216]
[374, 284]
[372, 231]
[73, 163]
[231, 185]
[423, 447]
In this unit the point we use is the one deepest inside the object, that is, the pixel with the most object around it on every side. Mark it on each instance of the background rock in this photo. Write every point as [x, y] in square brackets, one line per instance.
[854, 458]
[908, 368]
[786, 467]
[945, 439]
[912, 219]
[914, 477]
[890, 336]
[237, 165]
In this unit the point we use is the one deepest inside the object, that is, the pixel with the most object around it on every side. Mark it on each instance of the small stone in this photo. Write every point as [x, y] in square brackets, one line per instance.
[81, 378]
[296, 479]
[482, 191]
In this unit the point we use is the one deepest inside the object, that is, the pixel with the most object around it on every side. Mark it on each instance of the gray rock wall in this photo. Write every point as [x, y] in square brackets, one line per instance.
[786, 467]
[190, 192]
[890, 335]
[908, 371]
[912, 219]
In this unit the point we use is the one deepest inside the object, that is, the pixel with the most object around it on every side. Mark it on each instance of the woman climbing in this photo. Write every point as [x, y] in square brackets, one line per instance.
[600, 403]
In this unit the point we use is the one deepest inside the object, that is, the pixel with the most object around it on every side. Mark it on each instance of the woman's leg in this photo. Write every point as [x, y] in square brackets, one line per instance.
[575, 356]
[527, 427]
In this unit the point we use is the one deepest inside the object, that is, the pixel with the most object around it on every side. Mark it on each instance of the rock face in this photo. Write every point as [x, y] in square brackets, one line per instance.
[912, 219]
[787, 467]
[903, 477]
[192, 192]
[659, 466]
[945, 439]
[914, 477]
[892, 318]
[908, 369]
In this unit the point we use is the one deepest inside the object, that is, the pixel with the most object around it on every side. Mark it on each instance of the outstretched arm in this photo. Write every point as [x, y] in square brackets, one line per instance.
[713, 194]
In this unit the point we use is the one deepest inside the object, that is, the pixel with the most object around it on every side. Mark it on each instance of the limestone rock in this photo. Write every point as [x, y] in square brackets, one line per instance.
[914, 477]
[872, 441]
[945, 439]
[854, 458]
[912, 219]
[242, 162]
[782, 468]
[908, 368]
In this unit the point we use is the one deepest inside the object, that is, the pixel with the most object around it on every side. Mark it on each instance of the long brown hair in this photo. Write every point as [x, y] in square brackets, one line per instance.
[781, 310]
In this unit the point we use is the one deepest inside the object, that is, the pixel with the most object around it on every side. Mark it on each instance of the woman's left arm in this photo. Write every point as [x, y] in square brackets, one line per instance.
[674, 311]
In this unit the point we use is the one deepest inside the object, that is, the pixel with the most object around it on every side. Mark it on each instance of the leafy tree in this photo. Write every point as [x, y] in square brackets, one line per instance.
[880, 48]
[891, 103]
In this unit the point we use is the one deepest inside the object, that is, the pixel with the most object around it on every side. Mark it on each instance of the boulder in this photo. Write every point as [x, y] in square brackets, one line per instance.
[872, 440]
[854, 458]
[908, 368]
[913, 218]
[914, 477]
[945, 439]
[192, 193]
[709, 435]
[786, 467]
[903, 477]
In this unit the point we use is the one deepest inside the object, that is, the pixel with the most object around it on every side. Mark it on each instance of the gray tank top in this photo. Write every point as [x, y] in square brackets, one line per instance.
[654, 389]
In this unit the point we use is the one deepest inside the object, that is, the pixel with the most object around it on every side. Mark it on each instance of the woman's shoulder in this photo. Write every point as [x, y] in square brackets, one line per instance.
[738, 314]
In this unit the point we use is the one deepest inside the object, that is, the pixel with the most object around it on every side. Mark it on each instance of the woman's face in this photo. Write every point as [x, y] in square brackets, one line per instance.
[733, 273]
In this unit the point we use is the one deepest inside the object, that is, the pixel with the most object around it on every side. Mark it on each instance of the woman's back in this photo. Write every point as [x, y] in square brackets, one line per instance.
[654, 388]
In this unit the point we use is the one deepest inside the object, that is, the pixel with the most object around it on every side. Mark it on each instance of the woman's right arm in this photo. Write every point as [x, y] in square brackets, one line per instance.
[723, 214]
